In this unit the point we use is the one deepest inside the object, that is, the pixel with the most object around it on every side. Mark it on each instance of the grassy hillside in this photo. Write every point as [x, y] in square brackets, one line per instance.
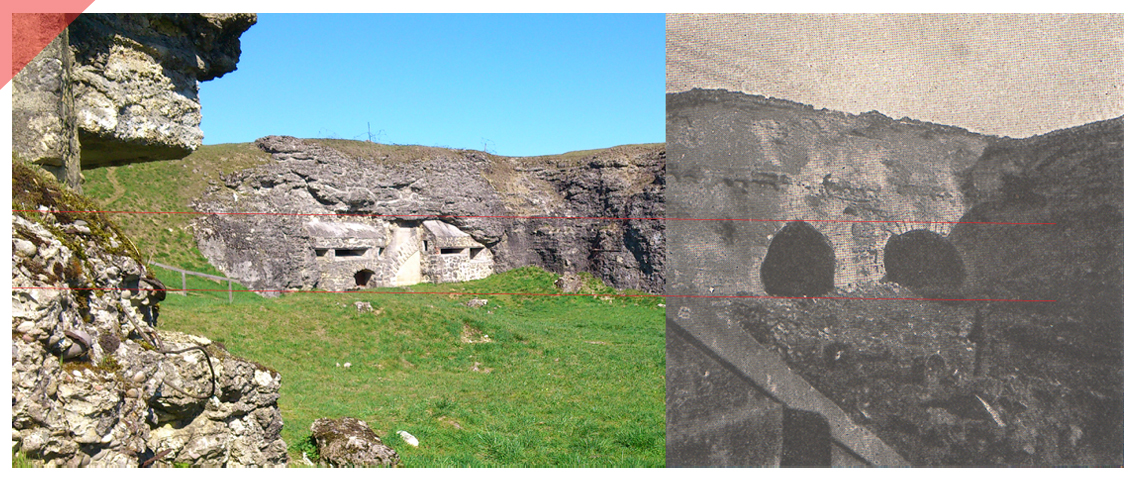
[167, 186]
[554, 381]
[558, 381]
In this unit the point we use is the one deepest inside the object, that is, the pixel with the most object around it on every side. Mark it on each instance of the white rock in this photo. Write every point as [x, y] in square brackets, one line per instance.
[263, 378]
[24, 248]
[408, 438]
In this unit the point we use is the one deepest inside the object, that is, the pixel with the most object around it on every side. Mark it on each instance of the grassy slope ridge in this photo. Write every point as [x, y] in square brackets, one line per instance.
[565, 381]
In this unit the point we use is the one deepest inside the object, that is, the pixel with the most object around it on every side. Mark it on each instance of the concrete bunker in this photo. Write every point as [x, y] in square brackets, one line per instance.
[451, 255]
[376, 253]
[800, 262]
[921, 259]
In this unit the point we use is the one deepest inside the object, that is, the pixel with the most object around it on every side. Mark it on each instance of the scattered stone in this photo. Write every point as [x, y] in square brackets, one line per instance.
[361, 306]
[569, 283]
[350, 443]
[473, 335]
[408, 438]
[477, 303]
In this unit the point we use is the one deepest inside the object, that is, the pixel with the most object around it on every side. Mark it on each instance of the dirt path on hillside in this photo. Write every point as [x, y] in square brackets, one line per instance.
[112, 177]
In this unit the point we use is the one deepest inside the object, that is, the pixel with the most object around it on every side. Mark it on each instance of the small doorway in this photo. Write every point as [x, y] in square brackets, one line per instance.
[362, 278]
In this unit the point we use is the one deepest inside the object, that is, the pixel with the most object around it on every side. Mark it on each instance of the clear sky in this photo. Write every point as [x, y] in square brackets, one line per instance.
[1014, 75]
[513, 84]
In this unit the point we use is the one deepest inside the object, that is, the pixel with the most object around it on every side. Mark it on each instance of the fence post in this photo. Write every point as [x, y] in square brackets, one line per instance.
[184, 286]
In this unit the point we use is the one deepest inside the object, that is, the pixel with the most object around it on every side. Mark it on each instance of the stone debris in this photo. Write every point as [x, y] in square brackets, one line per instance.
[408, 438]
[350, 443]
[569, 283]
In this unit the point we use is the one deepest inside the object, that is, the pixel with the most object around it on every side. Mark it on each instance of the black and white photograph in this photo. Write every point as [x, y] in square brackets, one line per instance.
[894, 240]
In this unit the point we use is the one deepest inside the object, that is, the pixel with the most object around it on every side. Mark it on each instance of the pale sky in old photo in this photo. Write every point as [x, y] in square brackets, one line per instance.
[1013, 75]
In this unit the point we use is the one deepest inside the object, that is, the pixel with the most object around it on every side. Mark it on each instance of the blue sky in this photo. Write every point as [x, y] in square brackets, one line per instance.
[515, 85]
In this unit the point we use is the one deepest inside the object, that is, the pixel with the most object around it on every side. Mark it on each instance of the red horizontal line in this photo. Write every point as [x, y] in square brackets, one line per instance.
[530, 217]
[686, 296]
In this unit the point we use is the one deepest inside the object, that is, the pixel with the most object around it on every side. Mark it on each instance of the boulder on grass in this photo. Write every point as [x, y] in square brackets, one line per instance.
[350, 443]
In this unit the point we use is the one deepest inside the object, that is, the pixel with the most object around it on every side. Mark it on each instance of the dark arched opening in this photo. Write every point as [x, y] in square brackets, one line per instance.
[362, 278]
[799, 262]
[922, 259]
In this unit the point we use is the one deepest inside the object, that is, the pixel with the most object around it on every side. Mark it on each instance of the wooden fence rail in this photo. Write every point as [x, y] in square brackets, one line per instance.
[185, 287]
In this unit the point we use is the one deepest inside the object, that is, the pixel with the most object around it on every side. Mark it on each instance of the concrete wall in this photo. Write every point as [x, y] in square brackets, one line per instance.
[43, 104]
[735, 156]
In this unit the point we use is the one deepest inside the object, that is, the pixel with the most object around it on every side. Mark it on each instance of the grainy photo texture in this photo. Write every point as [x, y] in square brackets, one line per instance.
[898, 238]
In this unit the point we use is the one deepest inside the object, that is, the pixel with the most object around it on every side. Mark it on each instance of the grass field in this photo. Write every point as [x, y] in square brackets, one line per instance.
[553, 381]
[558, 381]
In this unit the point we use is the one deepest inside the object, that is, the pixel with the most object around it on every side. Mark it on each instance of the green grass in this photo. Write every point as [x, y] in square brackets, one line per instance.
[565, 381]
[21, 460]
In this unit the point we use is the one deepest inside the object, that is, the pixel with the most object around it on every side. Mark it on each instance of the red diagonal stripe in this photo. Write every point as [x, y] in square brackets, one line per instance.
[31, 32]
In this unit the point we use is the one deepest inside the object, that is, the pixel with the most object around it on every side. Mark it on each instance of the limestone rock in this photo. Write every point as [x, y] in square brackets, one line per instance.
[91, 385]
[135, 80]
[43, 104]
[499, 203]
[569, 283]
[350, 443]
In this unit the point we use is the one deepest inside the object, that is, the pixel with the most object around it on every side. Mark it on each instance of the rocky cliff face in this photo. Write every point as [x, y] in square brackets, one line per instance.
[135, 80]
[497, 200]
[124, 86]
[93, 383]
[1070, 179]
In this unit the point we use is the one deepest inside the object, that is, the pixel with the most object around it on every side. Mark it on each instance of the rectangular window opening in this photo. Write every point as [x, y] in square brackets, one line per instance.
[475, 251]
[350, 252]
[321, 252]
[451, 251]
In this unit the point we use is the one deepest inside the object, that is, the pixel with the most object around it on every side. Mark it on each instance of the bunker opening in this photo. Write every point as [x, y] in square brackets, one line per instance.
[800, 262]
[350, 252]
[921, 259]
[452, 251]
[362, 278]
